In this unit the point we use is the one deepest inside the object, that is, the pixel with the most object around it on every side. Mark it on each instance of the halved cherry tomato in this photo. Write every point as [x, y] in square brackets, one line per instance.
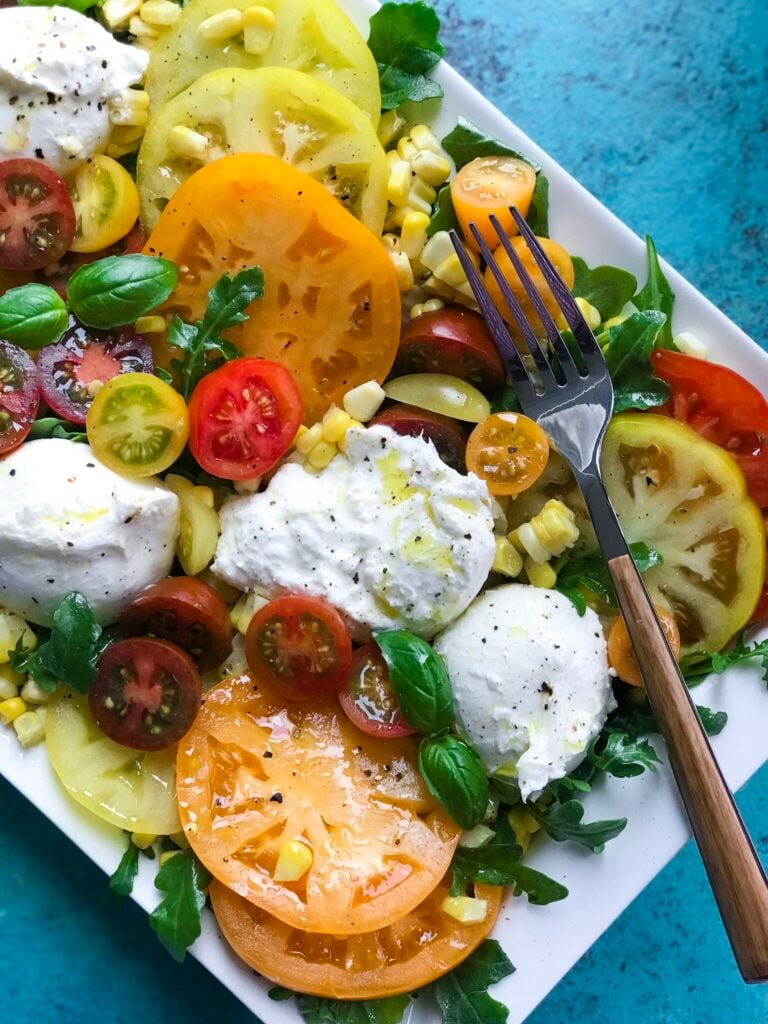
[454, 341]
[198, 524]
[137, 424]
[403, 957]
[490, 185]
[58, 275]
[621, 655]
[368, 698]
[508, 451]
[440, 393]
[73, 369]
[146, 693]
[243, 418]
[255, 771]
[19, 395]
[106, 203]
[448, 436]
[562, 263]
[723, 407]
[186, 611]
[37, 219]
[300, 646]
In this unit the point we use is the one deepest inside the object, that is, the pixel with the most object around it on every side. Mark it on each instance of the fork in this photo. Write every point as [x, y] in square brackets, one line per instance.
[573, 404]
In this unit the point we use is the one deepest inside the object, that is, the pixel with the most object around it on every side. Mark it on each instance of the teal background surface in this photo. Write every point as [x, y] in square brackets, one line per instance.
[661, 110]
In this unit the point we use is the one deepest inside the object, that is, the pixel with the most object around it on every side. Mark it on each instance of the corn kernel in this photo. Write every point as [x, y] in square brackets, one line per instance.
[691, 345]
[128, 115]
[543, 576]
[135, 99]
[432, 305]
[438, 249]
[116, 13]
[399, 183]
[413, 236]
[507, 559]
[424, 138]
[187, 143]
[335, 424]
[390, 126]
[548, 534]
[416, 310]
[322, 455]
[416, 202]
[406, 149]
[13, 631]
[451, 272]
[8, 689]
[307, 440]
[403, 270]
[422, 191]
[391, 242]
[150, 325]
[33, 693]
[160, 12]
[222, 25]
[364, 401]
[246, 607]
[524, 825]
[624, 314]
[29, 728]
[590, 313]
[431, 167]
[293, 861]
[248, 486]
[353, 425]
[117, 152]
[465, 909]
[12, 709]
[477, 837]
[143, 840]
[396, 215]
[124, 134]
[138, 27]
[167, 855]
[258, 30]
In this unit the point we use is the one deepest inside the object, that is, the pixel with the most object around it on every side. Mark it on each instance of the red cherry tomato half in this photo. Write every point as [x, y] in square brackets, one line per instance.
[368, 699]
[243, 418]
[146, 693]
[723, 407]
[72, 368]
[454, 341]
[58, 276]
[37, 218]
[299, 646]
[19, 395]
[186, 611]
[448, 436]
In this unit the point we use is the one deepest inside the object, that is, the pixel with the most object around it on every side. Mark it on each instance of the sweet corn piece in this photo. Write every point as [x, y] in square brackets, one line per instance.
[691, 345]
[293, 861]
[12, 709]
[307, 439]
[138, 27]
[322, 455]
[363, 402]
[8, 689]
[222, 25]
[432, 305]
[507, 559]
[150, 325]
[524, 825]
[451, 272]
[406, 149]
[476, 837]
[549, 533]
[416, 310]
[248, 486]
[431, 167]
[423, 191]
[465, 909]
[335, 424]
[117, 152]
[14, 630]
[124, 134]
[590, 313]
[390, 241]
[543, 576]
[396, 215]
[416, 202]
[353, 425]
[390, 126]
[624, 314]
[134, 116]
[33, 693]
[116, 13]
[258, 29]
[424, 138]
[403, 270]
[143, 840]
[463, 296]
[162, 13]
[29, 728]
[413, 236]
[187, 143]
[438, 249]
[241, 614]
[167, 855]
[399, 183]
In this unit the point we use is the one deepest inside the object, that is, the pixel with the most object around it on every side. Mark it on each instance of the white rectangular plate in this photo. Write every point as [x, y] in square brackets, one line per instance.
[542, 942]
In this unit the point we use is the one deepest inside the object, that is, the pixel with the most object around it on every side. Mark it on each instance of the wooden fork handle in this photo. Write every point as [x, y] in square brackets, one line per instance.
[737, 878]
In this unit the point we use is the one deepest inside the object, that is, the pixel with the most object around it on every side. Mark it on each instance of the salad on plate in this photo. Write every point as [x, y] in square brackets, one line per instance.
[291, 591]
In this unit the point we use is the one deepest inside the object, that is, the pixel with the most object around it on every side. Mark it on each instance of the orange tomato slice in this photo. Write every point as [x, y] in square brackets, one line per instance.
[621, 655]
[331, 305]
[562, 263]
[404, 956]
[509, 451]
[255, 772]
[490, 185]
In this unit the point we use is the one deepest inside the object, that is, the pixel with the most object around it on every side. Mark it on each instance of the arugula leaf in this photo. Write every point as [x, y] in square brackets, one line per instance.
[201, 343]
[367, 1011]
[538, 212]
[121, 882]
[622, 755]
[638, 720]
[562, 822]
[52, 426]
[176, 919]
[443, 214]
[696, 667]
[69, 656]
[713, 721]
[454, 774]
[462, 994]
[607, 288]
[117, 289]
[404, 42]
[591, 572]
[420, 680]
[628, 356]
[506, 401]
[32, 316]
[466, 142]
[279, 994]
[657, 294]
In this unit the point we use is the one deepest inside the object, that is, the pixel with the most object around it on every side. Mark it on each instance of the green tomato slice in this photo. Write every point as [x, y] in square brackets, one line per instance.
[441, 393]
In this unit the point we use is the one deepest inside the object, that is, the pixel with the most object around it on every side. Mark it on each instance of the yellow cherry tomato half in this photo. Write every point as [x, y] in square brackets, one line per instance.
[441, 393]
[508, 451]
[621, 655]
[562, 263]
[137, 424]
[490, 185]
[199, 525]
[106, 203]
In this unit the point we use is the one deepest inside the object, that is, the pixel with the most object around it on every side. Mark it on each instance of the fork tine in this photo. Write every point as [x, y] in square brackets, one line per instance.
[508, 351]
[584, 336]
[565, 358]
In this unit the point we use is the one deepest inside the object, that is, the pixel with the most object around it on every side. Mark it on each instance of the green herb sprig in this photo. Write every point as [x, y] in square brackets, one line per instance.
[70, 653]
[404, 42]
[176, 920]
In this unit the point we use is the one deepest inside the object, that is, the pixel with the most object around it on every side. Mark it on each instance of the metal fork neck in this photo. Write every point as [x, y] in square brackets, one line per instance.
[601, 512]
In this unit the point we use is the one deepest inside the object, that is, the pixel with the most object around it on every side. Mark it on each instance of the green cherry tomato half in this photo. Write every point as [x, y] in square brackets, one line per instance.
[441, 393]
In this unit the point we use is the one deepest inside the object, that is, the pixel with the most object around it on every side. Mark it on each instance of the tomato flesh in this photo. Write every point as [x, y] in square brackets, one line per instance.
[19, 395]
[368, 699]
[448, 436]
[146, 693]
[185, 611]
[300, 646]
[453, 341]
[37, 218]
[71, 368]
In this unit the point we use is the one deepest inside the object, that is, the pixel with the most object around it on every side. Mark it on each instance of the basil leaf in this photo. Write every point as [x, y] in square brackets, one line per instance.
[443, 214]
[538, 212]
[404, 42]
[121, 882]
[628, 356]
[657, 294]
[118, 289]
[606, 288]
[454, 775]
[176, 919]
[367, 1011]
[52, 426]
[32, 316]
[466, 143]
[69, 656]
[562, 822]
[419, 679]
[622, 755]
[462, 994]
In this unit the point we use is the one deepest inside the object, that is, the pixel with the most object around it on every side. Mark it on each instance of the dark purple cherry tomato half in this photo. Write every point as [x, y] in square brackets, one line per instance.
[37, 218]
[454, 341]
[72, 369]
[19, 395]
[448, 436]
[368, 699]
[146, 693]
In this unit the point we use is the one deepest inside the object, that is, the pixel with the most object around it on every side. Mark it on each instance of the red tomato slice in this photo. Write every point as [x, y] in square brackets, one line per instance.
[19, 395]
[146, 693]
[454, 341]
[243, 418]
[368, 699]
[186, 611]
[72, 368]
[723, 407]
[448, 436]
[299, 646]
[58, 277]
[37, 218]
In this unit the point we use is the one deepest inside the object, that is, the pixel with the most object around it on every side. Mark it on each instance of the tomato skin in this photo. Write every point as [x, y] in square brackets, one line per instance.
[621, 655]
[106, 203]
[490, 185]
[286, 639]
[454, 341]
[146, 693]
[19, 395]
[37, 218]
[448, 436]
[185, 611]
[243, 418]
[562, 263]
[509, 451]
[368, 699]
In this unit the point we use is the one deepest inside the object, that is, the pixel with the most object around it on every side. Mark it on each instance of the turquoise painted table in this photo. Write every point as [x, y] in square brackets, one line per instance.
[659, 109]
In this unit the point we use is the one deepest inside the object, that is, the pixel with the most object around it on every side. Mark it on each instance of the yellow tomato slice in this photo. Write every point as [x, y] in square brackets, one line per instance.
[489, 186]
[255, 772]
[508, 451]
[106, 203]
[441, 393]
[198, 526]
[137, 424]
[562, 263]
